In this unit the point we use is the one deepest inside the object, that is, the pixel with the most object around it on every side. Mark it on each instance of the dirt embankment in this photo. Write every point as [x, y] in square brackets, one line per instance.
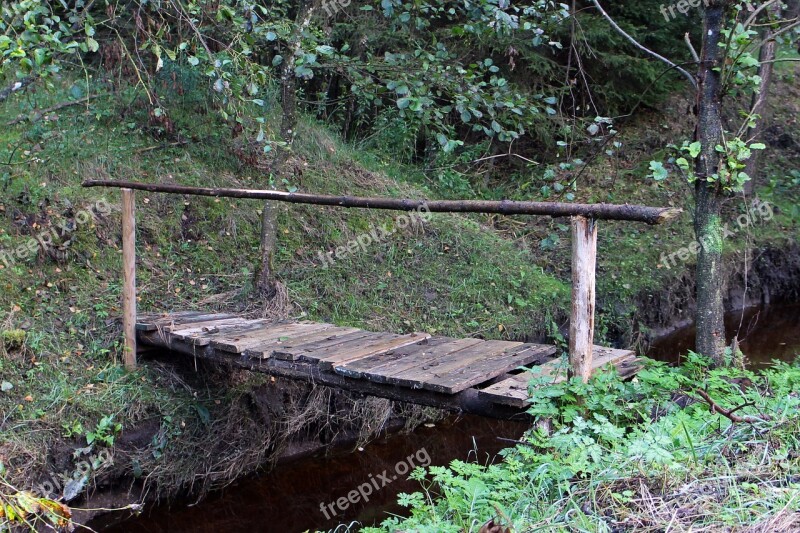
[265, 422]
[754, 278]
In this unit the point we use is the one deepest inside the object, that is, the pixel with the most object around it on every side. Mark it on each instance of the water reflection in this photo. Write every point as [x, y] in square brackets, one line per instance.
[288, 498]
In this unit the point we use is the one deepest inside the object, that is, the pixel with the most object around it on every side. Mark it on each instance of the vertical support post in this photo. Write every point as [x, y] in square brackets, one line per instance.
[129, 277]
[581, 327]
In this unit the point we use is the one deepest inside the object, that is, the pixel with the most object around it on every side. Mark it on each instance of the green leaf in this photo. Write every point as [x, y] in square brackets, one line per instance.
[93, 46]
[403, 103]
[758, 146]
[40, 56]
[657, 171]
[694, 149]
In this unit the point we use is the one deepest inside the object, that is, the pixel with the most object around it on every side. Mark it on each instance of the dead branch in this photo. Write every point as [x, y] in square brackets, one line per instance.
[16, 86]
[38, 114]
[641, 47]
[730, 413]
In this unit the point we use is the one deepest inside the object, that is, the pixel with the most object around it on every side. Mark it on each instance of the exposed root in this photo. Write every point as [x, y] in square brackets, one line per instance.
[259, 420]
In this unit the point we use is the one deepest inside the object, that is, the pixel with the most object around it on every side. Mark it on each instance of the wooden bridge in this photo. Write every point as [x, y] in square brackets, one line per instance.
[487, 377]
[472, 375]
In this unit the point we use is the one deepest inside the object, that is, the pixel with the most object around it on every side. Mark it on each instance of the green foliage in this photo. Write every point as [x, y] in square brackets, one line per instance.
[104, 432]
[21, 509]
[34, 35]
[610, 439]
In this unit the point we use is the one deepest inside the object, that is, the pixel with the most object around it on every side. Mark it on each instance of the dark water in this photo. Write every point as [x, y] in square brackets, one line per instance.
[764, 335]
[287, 499]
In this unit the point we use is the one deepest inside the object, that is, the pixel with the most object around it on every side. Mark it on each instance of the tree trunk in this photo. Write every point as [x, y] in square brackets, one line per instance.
[266, 283]
[269, 222]
[709, 195]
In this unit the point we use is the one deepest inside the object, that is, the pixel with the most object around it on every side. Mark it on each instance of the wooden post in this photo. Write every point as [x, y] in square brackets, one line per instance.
[129, 277]
[581, 327]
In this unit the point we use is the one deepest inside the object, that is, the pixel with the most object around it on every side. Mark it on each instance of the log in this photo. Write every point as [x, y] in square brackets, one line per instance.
[129, 277]
[632, 213]
[581, 326]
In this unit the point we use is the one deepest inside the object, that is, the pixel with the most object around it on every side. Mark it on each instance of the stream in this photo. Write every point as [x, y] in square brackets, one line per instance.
[293, 497]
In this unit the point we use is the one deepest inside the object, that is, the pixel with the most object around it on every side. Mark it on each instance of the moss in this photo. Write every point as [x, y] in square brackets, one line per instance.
[13, 339]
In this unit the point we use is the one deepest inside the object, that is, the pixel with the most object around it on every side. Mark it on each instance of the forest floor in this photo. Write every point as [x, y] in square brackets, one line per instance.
[63, 396]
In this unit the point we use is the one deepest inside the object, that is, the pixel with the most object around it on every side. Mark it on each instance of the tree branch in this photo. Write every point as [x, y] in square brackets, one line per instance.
[729, 413]
[16, 86]
[635, 43]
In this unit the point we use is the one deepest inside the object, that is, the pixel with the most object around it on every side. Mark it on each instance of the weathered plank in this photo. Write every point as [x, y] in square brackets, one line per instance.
[514, 390]
[281, 344]
[413, 356]
[339, 355]
[415, 377]
[252, 339]
[168, 322]
[290, 354]
[378, 362]
[202, 333]
[483, 370]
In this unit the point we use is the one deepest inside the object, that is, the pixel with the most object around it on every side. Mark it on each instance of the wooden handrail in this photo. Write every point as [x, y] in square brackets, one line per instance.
[584, 219]
[627, 212]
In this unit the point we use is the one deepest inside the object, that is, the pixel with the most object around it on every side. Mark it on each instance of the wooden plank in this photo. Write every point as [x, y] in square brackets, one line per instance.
[581, 325]
[514, 390]
[129, 277]
[377, 362]
[313, 355]
[340, 354]
[413, 356]
[486, 369]
[202, 333]
[291, 354]
[281, 344]
[415, 377]
[253, 338]
[169, 322]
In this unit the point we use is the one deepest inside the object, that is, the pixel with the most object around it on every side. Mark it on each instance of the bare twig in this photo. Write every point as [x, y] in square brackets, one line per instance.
[729, 413]
[40, 113]
[641, 47]
[688, 41]
[16, 86]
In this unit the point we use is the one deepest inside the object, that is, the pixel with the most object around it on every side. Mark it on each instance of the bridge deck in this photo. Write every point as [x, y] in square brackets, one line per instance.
[483, 376]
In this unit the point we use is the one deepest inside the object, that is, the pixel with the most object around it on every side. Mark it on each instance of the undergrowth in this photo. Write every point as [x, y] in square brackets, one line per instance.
[681, 449]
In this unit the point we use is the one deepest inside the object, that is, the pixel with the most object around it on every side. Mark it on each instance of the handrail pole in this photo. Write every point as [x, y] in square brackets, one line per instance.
[129, 277]
[581, 327]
